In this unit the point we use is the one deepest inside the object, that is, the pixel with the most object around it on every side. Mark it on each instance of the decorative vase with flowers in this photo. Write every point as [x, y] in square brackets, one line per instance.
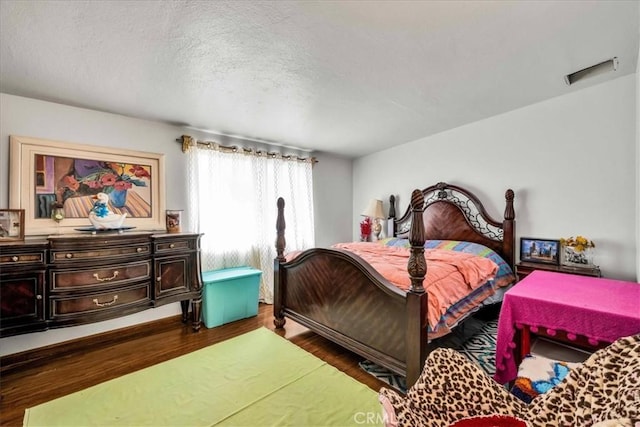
[365, 229]
[577, 251]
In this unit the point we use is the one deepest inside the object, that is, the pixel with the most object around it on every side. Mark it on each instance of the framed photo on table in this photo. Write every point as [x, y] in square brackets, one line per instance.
[542, 251]
[48, 174]
[11, 225]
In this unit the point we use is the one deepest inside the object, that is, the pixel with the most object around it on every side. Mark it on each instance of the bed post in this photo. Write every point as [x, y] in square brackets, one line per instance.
[416, 342]
[391, 225]
[278, 310]
[509, 229]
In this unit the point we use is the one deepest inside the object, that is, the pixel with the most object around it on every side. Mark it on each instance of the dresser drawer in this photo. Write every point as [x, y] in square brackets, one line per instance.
[100, 253]
[9, 259]
[99, 302]
[112, 275]
[167, 247]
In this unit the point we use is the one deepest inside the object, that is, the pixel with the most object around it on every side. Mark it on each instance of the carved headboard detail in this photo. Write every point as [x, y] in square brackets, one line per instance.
[454, 213]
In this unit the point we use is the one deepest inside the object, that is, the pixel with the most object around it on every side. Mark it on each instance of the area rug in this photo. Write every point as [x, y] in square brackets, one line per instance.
[476, 340]
[481, 347]
[258, 378]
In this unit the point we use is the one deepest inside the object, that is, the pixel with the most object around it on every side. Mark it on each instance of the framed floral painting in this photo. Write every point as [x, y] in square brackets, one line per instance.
[56, 184]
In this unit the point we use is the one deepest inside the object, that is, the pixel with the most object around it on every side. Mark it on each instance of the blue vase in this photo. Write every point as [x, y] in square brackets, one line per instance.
[118, 198]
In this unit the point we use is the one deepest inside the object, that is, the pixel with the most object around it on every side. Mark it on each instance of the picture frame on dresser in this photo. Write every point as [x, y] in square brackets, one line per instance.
[540, 251]
[11, 225]
[44, 173]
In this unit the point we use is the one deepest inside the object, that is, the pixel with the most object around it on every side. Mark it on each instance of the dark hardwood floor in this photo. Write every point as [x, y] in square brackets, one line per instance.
[35, 377]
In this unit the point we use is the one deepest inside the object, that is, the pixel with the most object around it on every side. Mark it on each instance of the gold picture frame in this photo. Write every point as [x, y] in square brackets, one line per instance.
[11, 225]
[45, 174]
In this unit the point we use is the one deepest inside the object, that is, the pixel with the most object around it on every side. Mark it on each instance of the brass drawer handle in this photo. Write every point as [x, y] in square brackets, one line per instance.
[105, 304]
[138, 250]
[68, 256]
[172, 246]
[106, 279]
[159, 279]
[15, 258]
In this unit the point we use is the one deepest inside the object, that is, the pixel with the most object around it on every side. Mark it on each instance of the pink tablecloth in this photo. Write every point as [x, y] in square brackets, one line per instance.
[601, 309]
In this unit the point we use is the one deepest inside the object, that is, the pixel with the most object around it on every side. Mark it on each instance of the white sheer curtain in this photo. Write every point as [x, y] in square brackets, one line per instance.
[232, 200]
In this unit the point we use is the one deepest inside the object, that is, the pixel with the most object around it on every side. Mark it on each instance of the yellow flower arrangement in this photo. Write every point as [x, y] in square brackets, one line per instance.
[578, 244]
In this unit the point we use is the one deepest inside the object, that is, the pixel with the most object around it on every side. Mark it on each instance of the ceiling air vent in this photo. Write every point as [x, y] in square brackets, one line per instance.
[594, 70]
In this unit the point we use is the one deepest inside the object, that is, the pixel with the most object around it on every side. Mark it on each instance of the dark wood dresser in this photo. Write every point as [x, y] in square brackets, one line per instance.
[76, 279]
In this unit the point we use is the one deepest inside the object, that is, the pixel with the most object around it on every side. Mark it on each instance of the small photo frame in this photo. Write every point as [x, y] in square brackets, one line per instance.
[174, 220]
[11, 224]
[542, 251]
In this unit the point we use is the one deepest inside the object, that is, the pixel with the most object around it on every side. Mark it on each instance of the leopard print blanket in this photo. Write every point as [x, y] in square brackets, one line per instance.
[604, 390]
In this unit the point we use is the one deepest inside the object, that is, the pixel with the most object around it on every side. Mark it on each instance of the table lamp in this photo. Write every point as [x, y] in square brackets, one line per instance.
[374, 211]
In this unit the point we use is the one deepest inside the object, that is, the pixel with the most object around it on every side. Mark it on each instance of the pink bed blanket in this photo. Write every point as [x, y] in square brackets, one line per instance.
[600, 309]
[450, 275]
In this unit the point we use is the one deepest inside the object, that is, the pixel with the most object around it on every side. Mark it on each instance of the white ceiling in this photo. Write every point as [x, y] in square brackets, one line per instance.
[344, 77]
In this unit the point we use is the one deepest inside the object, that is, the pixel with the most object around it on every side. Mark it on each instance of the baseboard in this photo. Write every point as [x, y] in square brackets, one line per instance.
[39, 355]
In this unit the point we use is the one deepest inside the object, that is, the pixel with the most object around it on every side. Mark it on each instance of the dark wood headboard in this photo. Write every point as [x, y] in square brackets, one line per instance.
[454, 213]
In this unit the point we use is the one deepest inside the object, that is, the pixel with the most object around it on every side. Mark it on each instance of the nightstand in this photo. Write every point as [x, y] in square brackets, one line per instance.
[525, 268]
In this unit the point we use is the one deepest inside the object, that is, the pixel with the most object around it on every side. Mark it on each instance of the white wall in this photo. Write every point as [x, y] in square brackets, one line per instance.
[332, 198]
[29, 117]
[571, 161]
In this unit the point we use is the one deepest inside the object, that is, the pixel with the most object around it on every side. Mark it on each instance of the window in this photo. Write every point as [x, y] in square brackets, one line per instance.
[232, 200]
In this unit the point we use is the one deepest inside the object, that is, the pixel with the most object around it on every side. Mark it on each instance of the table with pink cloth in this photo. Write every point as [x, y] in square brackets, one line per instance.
[599, 309]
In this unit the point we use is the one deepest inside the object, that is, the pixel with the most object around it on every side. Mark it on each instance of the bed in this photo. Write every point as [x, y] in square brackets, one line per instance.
[340, 296]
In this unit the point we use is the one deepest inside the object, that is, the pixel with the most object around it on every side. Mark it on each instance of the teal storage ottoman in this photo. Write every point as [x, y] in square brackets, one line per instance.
[229, 294]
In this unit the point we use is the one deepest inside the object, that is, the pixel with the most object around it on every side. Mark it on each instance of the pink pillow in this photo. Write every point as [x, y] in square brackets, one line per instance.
[490, 421]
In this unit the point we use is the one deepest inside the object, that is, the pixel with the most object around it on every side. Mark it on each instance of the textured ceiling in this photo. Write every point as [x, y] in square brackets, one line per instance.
[348, 78]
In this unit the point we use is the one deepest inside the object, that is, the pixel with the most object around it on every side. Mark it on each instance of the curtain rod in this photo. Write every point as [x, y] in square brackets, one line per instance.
[187, 141]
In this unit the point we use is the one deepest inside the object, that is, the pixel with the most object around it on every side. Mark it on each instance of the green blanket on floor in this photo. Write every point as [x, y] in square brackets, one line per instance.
[256, 379]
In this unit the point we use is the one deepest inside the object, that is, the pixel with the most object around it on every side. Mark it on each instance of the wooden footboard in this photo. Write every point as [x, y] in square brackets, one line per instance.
[341, 297]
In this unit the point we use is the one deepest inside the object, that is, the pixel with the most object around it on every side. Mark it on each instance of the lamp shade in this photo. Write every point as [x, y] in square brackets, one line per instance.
[374, 210]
